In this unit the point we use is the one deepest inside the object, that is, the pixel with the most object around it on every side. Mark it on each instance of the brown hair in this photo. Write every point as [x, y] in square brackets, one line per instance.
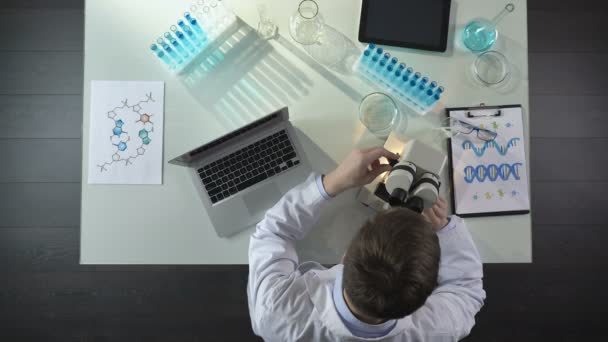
[391, 266]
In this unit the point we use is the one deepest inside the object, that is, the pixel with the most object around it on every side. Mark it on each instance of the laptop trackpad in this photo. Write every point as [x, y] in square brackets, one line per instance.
[262, 199]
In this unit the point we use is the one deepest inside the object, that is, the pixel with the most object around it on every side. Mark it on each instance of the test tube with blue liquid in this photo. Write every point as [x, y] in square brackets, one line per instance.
[406, 75]
[183, 39]
[194, 24]
[163, 57]
[366, 56]
[169, 37]
[396, 76]
[380, 67]
[377, 55]
[169, 50]
[188, 31]
[432, 100]
[387, 73]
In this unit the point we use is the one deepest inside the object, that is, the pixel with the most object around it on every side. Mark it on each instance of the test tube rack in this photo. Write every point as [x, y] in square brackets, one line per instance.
[194, 35]
[403, 82]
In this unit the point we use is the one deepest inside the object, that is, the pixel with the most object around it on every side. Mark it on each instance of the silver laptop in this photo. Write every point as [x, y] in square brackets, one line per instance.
[242, 174]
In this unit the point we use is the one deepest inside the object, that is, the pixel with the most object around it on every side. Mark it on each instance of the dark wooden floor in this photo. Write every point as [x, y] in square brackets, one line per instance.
[46, 296]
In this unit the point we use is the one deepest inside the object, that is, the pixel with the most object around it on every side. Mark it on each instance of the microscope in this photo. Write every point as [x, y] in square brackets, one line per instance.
[413, 182]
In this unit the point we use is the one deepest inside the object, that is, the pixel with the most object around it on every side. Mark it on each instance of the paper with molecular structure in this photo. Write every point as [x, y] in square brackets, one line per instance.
[126, 132]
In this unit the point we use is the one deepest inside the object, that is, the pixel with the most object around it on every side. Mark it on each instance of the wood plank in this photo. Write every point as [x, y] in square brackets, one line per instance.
[572, 245]
[571, 6]
[39, 204]
[41, 73]
[568, 73]
[554, 116]
[42, 4]
[569, 203]
[40, 160]
[541, 303]
[39, 249]
[556, 159]
[40, 30]
[41, 116]
[569, 31]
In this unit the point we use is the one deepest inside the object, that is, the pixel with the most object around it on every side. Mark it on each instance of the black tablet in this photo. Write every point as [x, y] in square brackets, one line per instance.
[407, 23]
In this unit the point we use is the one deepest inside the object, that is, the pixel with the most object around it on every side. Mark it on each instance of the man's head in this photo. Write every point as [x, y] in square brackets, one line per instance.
[391, 265]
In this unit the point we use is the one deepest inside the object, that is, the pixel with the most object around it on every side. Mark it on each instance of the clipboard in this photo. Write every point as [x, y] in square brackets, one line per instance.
[489, 178]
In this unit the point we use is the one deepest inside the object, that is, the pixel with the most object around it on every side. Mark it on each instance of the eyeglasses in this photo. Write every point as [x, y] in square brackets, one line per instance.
[457, 126]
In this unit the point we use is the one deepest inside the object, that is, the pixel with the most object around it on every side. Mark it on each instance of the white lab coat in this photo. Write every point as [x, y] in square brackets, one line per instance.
[292, 302]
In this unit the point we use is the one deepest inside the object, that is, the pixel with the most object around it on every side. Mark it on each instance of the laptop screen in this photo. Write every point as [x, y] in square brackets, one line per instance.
[186, 158]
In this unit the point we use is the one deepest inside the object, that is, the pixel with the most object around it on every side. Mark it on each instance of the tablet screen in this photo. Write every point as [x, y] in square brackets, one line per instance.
[407, 23]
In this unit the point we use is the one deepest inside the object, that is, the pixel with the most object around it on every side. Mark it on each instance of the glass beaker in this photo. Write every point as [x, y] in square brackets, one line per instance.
[491, 68]
[306, 24]
[379, 113]
[481, 34]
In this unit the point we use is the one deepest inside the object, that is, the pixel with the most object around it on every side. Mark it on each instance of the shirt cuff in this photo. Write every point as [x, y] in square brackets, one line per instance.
[322, 188]
[451, 225]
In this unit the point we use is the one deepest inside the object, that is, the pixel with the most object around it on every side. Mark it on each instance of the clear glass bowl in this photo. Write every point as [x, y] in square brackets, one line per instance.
[491, 68]
[379, 113]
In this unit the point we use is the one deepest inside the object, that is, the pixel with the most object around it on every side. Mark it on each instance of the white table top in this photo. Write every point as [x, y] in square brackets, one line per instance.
[165, 224]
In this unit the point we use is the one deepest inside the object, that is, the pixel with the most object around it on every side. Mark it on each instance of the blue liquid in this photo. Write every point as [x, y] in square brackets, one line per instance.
[439, 91]
[388, 71]
[371, 46]
[431, 100]
[409, 87]
[396, 76]
[417, 91]
[380, 67]
[479, 35]
[176, 45]
[158, 53]
[373, 61]
[170, 51]
[185, 41]
[198, 29]
[424, 96]
[365, 56]
[432, 86]
[189, 33]
[416, 77]
[394, 61]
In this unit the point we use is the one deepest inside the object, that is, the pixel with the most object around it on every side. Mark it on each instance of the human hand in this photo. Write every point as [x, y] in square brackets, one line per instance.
[359, 168]
[437, 215]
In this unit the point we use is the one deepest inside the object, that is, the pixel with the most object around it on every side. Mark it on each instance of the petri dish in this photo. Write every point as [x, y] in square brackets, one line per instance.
[491, 68]
[379, 113]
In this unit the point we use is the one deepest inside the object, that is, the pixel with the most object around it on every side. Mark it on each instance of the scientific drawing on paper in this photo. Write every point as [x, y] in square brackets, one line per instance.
[126, 132]
[126, 149]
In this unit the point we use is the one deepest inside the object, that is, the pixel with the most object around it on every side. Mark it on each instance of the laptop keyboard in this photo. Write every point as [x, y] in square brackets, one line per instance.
[248, 166]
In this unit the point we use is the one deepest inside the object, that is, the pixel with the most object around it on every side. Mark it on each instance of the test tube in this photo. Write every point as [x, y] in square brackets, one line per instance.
[188, 31]
[160, 54]
[394, 61]
[371, 46]
[380, 67]
[439, 90]
[183, 39]
[365, 56]
[396, 76]
[401, 67]
[407, 74]
[388, 71]
[198, 29]
[417, 91]
[432, 86]
[424, 81]
[425, 95]
[415, 77]
[176, 45]
[408, 87]
[374, 60]
[431, 100]
[169, 50]
[386, 57]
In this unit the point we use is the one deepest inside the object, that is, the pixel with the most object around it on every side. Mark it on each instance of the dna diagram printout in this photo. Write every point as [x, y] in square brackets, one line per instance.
[126, 132]
[490, 176]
